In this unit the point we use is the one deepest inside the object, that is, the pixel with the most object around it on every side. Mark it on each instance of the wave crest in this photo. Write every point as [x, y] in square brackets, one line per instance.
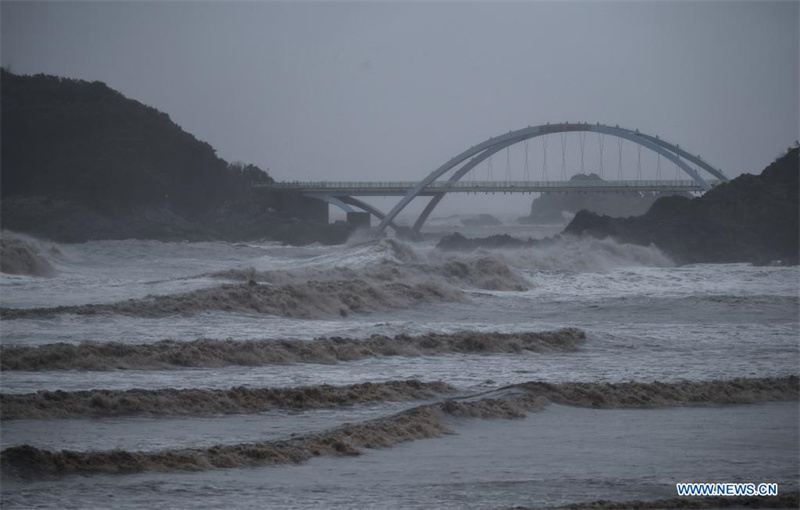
[425, 421]
[172, 402]
[217, 353]
[659, 394]
[310, 299]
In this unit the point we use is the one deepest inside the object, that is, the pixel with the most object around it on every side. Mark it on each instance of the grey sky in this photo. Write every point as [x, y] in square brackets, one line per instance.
[391, 90]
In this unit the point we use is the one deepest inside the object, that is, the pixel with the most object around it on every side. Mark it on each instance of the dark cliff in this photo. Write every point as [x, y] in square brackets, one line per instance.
[749, 219]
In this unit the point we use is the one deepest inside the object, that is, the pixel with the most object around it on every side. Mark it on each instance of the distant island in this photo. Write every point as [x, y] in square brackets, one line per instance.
[80, 161]
[559, 207]
[481, 220]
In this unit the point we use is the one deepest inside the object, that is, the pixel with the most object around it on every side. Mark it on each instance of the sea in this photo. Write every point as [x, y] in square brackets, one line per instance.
[644, 321]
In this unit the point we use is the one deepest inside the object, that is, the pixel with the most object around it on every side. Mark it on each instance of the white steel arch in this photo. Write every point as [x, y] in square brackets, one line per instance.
[477, 153]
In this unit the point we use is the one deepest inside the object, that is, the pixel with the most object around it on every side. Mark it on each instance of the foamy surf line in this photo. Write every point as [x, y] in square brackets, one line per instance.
[425, 421]
[308, 300]
[659, 394]
[308, 293]
[218, 353]
[183, 402]
[421, 422]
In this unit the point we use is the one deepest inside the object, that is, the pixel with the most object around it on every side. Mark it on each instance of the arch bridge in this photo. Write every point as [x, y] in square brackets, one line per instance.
[701, 175]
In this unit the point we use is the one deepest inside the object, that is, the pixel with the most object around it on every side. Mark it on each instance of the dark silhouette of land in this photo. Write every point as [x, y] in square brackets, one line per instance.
[752, 218]
[80, 161]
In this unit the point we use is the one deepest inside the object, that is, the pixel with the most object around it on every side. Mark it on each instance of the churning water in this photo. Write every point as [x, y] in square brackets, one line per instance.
[187, 375]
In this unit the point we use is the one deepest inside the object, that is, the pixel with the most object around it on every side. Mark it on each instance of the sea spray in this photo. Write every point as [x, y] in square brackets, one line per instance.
[558, 253]
[579, 254]
[217, 353]
[24, 256]
[172, 402]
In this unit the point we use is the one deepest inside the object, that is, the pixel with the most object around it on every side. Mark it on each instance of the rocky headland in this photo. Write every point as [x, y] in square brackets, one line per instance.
[752, 218]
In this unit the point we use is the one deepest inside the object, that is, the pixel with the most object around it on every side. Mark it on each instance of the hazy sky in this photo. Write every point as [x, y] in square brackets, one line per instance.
[391, 90]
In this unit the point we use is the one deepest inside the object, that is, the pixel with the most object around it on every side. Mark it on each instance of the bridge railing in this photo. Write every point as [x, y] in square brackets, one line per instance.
[483, 185]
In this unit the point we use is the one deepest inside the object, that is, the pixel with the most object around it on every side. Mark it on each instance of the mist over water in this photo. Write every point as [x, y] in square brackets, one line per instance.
[133, 352]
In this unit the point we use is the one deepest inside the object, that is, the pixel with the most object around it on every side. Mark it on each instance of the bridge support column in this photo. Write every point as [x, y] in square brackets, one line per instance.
[358, 219]
[295, 205]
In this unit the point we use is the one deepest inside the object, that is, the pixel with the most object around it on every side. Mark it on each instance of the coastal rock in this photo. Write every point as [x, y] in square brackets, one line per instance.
[749, 219]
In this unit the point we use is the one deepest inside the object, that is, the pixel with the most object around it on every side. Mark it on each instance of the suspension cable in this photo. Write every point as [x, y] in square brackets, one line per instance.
[619, 170]
[527, 169]
[544, 158]
[582, 140]
[602, 143]
[563, 156]
[639, 162]
[658, 167]
[508, 163]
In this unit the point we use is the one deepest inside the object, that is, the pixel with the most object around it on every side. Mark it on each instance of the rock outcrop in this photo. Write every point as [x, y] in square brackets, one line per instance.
[749, 219]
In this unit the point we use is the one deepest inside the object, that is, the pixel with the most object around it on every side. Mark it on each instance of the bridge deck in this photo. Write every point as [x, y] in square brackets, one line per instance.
[401, 188]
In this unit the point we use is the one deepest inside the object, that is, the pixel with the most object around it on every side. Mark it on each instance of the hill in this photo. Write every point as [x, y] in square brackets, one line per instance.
[80, 161]
[83, 141]
[749, 219]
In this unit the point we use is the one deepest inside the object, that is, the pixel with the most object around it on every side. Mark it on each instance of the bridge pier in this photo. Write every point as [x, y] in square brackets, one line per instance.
[358, 219]
[295, 205]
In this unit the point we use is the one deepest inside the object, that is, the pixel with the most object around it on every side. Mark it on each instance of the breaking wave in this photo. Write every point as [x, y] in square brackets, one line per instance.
[172, 402]
[22, 255]
[659, 394]
[316, 292]
[311, 299]
[425, 421]
[489, 273]
[421, 422]
[217, 353]
[559, 253]
[579, 254]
